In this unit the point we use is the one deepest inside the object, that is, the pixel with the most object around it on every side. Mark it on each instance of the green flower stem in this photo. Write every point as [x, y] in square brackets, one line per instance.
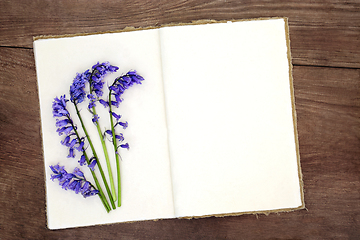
[95, 155]
[115, 150]
[112, 185]
[101, 193]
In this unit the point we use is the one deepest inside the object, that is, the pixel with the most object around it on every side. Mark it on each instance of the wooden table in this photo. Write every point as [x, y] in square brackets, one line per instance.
[325, 45]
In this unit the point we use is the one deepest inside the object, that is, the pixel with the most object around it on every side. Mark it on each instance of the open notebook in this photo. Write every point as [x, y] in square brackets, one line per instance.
[212, 129]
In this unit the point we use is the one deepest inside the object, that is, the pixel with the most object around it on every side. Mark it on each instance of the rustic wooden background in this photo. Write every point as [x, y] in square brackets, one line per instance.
[325, 45]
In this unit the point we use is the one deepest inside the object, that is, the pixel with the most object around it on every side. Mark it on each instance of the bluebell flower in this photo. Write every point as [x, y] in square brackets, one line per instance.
[95, 118]
[123, 124]
[109, 132]
[59, 172]
[116, 116]
[121, 84]
[94, 78]
[65, 130]
[119, 136]
[78, 173]
[135, 78]
[103, 102]
[92, 164]
[80, 147]
[88, 192]
[72, 143]
[59, 107]
[82, 160]
[62, 123]
[71, 153]
[99, 71]
[92, 100]
[66, 126]
[77, 89]
[126, 145]
[116, 90]
[74, 181]
[75, 185]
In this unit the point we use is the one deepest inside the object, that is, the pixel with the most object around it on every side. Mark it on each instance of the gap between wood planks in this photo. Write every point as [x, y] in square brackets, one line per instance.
[296, 65]
[323, 66]
[16, 47]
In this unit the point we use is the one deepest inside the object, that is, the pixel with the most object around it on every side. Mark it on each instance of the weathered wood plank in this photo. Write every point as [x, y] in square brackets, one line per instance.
[21, 166]
[325, 33]
[327, 102]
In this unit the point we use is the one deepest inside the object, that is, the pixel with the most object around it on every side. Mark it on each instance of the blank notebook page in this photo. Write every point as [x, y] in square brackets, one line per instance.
[230, 119]
[145, 174]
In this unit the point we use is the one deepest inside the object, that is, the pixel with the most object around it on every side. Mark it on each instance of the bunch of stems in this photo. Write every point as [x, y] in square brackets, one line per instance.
[98, 162]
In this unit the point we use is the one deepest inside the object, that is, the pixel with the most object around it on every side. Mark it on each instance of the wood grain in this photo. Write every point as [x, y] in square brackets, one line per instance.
[21, 164]
[323, 33]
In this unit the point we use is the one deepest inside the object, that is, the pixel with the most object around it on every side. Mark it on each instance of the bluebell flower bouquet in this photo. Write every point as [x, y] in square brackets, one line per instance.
[87, 88]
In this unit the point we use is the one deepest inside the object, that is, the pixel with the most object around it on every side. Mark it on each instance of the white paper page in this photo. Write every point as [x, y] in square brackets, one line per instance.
[229, 115]
[145, 170]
